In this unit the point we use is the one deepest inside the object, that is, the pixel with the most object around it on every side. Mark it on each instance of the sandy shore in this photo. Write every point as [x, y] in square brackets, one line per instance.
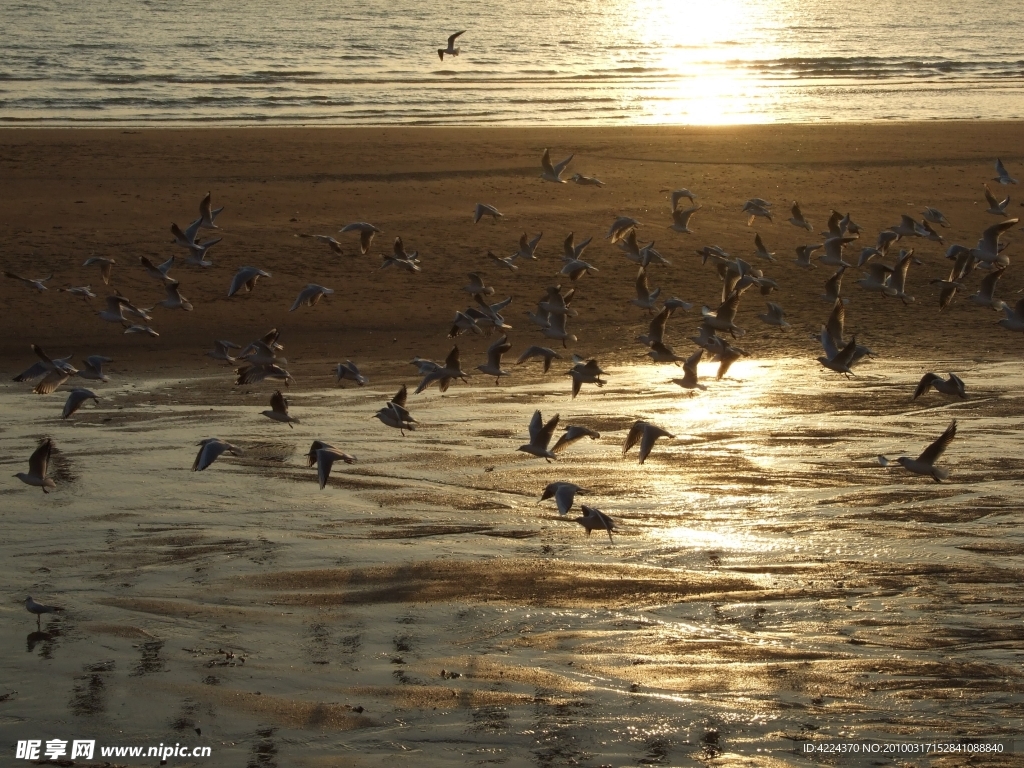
[74, 194]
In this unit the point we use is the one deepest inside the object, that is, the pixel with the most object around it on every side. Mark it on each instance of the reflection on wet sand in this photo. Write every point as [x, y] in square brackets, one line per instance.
[769, 581]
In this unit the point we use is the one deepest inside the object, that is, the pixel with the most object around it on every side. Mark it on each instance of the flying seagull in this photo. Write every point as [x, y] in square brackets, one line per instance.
[209, 450]
[38, 464]
[451, 50]
[925, 463]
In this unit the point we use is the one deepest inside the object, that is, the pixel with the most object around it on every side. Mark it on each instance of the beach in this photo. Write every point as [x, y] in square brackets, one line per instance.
[769, 584]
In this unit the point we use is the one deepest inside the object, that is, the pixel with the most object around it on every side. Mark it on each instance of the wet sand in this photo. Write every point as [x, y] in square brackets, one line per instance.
[769, 582]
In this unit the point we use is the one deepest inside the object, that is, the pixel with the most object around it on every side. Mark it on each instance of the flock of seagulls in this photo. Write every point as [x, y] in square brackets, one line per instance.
[717, 327]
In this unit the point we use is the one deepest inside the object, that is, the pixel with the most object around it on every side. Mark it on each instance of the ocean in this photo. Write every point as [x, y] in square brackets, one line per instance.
[320, 62]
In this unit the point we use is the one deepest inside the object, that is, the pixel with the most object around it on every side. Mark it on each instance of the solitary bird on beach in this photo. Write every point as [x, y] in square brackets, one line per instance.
[925, 463]
[279, 410]
[451, 50]
[38, 464]
[953, 386]
[209, 450]
[645, 433]
[554, 172]
[39, 609]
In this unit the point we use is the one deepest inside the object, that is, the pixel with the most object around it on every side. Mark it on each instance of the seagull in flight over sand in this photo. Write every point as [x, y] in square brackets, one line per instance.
[36, 282]
[76, 398]
[540, 437]
[1014, 317]
[348, 371]
[542, 352]
[38, 609]
[935, 216]
[775, 316]
[563, 493]
[755, 211]
[85, 291]
[105, 265]
[366, 232]
[797, 219]
[279, 410]
[689, 379]
[310, 295]
[476, 285]
[222, 350]
[761, 250]
[331, 243]
[803, 256]
[174, 298]
[207, 213]
[995, 207]
[246, 277]
[451, 50]
[681, 219]
[324, 457]
[209, 450]
[554, 172]
[953, 386]
[679, 194]
[594, 519]
[645, 297]
[55, 371]
[645, 433]
[621, 227]
[483, 209]
[494, 352]
[838, 360]
[985, 297]
[571, 435]
[925, 463]
[444, 375]
[93, 368]
[527, 248]
[586, 181]
[1002, 175]
[587, 373]
[38, 464]
[394, 413]
[989, 249]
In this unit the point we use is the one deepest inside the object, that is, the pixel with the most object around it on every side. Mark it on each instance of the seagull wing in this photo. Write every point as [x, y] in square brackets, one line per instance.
[564, 497]
[936, 449]
[545, 162]
[635, 433]
[572, 435]
[39, 461]
[278, 404]
[924, 384]
[453, 38]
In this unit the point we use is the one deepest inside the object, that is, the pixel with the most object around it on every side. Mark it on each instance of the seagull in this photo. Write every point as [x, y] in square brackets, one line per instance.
[898, 277]
[621, 227]
[803, 256]
[756, 211]
[570, 250]
[527, 248]
[640, 255]
[935, 216]
[75, 400]
[222, 350]
[595, 519]
[833, 285]
[761, 251]
[985, 296]
[36, 283]
[953, 386]
[1014, 319]
[797, 219]
[660, 352]
[774, 316]
[159, 272]
[208, 214]
[186, 238]
[563, 494]
[464, 322]
[135, 328]
[54, 371]
[689, 380]
[554, 172]
[174, 298]
[542, 352]
[877, 279]
[482, 209]
[906, 228]
[925, 463]
[493, 365]
[105, 265]
[681, 219]
[257, 372]
[451, 50]
[838, 360]
[279, 410]
[723, 319]
[84, 291]
[645, 433]
[325, 458]
[673, 304]
[588, 373]
[39, 609]
[556, 329]
[679, 194]
[246, 277]
[540, 436]
[444, 376]
[573, 434]
[586, 181]
[38, 464]
[506, 262]
[476, 285]
[835, 328]
[996, 207]
[557, 304]
[834, 251]
[333, 244]
[395, 415]
[349, 371]
[366, 232]
[989, 249]
[114, 313]
[310, 295]
[93, 368]
[209, 450]
[1002, 175]
[929, 233]
[645, 297]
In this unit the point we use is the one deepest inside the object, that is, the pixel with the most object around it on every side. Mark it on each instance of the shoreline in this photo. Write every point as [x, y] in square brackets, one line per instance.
[107, 192]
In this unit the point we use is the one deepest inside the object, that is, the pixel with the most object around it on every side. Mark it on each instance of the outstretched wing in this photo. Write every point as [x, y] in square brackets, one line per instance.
[936, 449]
[635, 433]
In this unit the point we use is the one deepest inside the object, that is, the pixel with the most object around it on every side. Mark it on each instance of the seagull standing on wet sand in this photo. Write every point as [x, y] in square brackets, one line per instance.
[39, 609]
[925, 463]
